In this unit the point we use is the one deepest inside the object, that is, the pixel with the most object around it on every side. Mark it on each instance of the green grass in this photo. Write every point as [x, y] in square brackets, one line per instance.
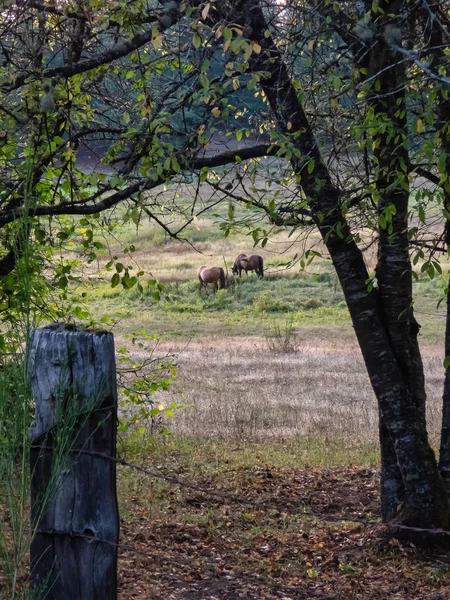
[252, 306]
[249, 306]
[216, 455]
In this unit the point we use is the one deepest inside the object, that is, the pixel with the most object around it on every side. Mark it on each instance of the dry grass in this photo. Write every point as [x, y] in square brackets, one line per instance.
[240, 389]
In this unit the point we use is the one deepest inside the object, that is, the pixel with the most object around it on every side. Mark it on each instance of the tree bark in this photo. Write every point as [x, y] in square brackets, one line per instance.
[438, 37]
[393, 270]
[443, 110]
[419, 498]
[444, 451]
[74, 511]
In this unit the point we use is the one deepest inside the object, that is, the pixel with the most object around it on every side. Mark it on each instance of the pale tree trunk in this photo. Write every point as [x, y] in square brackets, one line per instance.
[419, 497]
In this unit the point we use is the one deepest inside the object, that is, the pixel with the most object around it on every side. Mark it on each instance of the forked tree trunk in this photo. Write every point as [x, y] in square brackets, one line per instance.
[417, 497]
[74, 511]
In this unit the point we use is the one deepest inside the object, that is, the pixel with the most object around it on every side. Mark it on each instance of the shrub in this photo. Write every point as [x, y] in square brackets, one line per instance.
[324, 278]
[312, 303]
[283, 338]
[263, 301]
[220, 301]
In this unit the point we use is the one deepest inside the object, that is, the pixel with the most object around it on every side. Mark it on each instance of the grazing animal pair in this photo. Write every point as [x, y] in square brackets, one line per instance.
[254, 262]
[214, 275]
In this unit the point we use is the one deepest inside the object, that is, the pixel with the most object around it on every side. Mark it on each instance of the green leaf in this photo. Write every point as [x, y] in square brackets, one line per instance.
[115, 279]
[197, 40]
[40, 235]
[421, 213]
[227, 34]
[134, 214]
[175, 165]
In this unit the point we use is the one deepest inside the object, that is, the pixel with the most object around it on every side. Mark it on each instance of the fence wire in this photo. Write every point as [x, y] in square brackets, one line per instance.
[300, 592]
[235, 499]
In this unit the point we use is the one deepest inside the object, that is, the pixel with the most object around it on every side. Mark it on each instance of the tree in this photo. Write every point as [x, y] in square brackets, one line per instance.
[354, 99]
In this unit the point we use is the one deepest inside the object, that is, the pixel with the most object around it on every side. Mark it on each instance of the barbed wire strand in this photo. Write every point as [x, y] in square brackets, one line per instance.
[234, 499]
[204, 564]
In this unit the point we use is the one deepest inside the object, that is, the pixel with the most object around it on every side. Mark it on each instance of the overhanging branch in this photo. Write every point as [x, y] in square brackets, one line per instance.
[88, 207]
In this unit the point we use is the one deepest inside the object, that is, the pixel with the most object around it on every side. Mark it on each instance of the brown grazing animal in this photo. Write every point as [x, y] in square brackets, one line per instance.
[214, 275]
[254, 262]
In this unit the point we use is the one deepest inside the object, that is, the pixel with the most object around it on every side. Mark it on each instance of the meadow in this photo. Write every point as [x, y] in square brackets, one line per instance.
[275, 416]
[266, 357]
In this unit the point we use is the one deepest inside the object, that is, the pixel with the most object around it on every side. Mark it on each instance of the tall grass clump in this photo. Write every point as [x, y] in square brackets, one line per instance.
[283, 338]
[16, 413]
[28, 299]
[15, 418]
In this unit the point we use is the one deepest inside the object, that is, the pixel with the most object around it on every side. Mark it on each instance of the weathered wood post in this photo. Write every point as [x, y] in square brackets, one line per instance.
[74, 510]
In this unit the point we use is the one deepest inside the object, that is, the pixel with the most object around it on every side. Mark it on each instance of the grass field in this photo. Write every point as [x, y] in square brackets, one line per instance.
[278, 411]
[266, 357]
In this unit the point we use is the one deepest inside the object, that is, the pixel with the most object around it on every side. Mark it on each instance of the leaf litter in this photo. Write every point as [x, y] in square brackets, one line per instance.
[181, 544]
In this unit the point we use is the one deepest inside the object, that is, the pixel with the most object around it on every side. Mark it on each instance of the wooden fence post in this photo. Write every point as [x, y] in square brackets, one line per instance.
[74, 510]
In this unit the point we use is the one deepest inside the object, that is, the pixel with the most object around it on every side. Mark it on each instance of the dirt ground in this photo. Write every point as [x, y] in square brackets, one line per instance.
[201, 549]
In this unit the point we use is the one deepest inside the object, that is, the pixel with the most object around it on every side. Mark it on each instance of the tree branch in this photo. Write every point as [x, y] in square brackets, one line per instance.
[425, 173]
[118, 51]
[7, 263]
[85, 208]
[232, 156]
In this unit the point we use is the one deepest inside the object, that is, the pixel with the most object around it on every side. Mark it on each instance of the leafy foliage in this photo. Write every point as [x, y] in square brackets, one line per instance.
[140, 380]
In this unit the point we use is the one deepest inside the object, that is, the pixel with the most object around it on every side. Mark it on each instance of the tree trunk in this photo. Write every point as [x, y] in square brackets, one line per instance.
[421, 500]
[393, 270]
[74, 512]
[444, 453]
[433, 28]
[392, 490]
